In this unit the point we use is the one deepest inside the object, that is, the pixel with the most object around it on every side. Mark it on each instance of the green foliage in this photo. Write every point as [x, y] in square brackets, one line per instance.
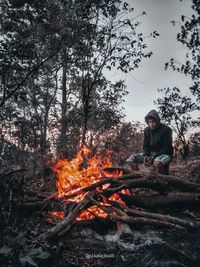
[189, 37]
[40, 39]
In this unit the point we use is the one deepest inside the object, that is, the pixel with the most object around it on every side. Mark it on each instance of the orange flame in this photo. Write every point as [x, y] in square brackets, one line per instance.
[82, 171]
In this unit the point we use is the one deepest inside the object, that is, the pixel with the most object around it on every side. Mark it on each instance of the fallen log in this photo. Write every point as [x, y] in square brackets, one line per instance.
[139, 221]
[157, 216]
[178, 182]
[171, 200]
[157, 183]
[112, 214]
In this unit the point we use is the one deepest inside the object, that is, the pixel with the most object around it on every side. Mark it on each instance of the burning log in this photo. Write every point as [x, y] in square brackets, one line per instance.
[62, 227]
[104, 181]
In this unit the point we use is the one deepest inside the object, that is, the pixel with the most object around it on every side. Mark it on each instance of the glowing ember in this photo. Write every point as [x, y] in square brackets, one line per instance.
[82, 171]
[56, 215]
[91, 212]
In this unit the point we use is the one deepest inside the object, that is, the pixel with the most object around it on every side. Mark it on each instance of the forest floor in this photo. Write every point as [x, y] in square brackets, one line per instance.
[97, 243]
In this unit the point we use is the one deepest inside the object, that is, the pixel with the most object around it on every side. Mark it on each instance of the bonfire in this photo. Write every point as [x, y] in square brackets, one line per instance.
[89, 187]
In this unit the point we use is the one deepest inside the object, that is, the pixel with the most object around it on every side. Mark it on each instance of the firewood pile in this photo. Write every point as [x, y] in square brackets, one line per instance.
[140, 197]
[124, 198]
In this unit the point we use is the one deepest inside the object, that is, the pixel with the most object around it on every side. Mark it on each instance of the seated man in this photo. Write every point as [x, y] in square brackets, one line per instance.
[157, 145]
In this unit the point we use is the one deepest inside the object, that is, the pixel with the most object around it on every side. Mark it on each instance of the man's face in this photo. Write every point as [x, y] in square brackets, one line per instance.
[152, 123]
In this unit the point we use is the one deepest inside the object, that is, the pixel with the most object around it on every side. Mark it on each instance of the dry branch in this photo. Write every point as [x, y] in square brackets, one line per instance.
[62, 227]
[112, 213]
[162, 217]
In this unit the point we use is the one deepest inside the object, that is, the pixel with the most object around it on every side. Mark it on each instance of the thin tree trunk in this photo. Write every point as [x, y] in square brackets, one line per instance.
[64, 109]
[86, 111]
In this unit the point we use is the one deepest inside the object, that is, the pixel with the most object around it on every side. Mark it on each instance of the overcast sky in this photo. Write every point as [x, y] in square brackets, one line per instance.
[143, 83]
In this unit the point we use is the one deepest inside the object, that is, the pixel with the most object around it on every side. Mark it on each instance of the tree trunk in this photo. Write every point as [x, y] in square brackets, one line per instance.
[63, 137]
[85, 111]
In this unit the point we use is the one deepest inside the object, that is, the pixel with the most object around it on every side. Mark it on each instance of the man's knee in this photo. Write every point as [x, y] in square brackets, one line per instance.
[164, 159]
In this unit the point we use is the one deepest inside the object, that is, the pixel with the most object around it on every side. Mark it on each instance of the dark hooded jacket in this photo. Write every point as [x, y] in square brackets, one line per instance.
[158, 140]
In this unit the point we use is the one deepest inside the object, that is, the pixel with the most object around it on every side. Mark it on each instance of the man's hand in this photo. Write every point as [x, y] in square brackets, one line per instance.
[148, 161]
[130, 159]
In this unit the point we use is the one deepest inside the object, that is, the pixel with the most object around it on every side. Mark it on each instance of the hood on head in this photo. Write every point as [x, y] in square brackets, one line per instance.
[153, 114]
